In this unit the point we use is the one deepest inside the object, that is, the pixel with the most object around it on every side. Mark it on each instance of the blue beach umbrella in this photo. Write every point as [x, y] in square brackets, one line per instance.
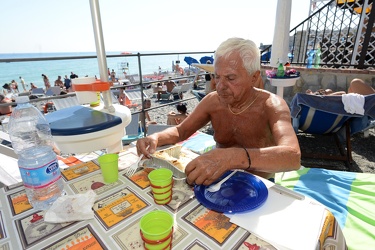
[189, 60]
[204, 59]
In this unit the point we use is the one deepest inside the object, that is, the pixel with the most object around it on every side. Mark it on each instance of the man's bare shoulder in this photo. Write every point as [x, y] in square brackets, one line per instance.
[209, 103]
[272, 100]
[211, 99]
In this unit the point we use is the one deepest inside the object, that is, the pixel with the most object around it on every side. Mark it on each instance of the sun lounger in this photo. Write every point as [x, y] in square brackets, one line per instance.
[179, 90]
[133, 130]
[198, 94]
[65, 102]
[325, 115]
[134, 94]
[53, 91]
[39, 92]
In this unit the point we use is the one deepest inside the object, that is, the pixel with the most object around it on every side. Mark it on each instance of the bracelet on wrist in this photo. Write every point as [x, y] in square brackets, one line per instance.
[248, 157]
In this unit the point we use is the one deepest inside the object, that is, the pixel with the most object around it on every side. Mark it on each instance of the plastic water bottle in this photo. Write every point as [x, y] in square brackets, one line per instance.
[310, 58]
[41, 176]
[31, 139]
[280, 70]
[317, 58]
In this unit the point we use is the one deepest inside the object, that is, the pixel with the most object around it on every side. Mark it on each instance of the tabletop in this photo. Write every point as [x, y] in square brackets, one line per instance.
[118, 209]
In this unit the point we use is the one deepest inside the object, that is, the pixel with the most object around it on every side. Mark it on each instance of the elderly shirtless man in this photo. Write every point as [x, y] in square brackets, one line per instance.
[252, 127]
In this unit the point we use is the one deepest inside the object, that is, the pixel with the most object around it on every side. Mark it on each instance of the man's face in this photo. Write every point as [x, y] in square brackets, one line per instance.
[231, 78]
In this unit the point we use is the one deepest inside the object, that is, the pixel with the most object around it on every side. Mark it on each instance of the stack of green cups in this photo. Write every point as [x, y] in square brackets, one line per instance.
[161, 181]
[157, 230]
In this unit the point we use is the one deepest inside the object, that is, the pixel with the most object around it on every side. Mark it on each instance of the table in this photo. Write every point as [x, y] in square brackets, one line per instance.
[350, 196]
[281, 83]
[118, 209]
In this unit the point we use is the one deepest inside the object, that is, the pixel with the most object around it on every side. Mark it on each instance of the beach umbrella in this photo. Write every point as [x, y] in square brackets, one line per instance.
[189, 60]
[204, 59]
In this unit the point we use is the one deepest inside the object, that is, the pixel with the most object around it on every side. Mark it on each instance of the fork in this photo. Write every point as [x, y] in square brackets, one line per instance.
[131, 170]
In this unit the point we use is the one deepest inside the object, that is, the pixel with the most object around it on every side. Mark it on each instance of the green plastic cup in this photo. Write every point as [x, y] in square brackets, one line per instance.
[156, 229]
[162, 196]
[161, 180]
[109, 166]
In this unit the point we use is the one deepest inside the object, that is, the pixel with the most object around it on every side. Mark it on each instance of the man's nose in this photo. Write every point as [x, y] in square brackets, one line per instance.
[220, 84]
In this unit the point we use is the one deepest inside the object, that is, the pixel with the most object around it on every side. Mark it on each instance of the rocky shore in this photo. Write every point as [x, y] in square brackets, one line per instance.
[362, 148]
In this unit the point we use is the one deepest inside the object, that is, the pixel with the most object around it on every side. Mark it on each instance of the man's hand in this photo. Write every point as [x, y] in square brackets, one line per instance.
[147, 146]
[207, 168]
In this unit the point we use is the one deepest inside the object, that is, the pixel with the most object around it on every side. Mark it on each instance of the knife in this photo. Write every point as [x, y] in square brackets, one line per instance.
[284, 191]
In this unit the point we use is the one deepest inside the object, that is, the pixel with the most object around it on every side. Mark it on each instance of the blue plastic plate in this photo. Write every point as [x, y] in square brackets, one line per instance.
[242, 192]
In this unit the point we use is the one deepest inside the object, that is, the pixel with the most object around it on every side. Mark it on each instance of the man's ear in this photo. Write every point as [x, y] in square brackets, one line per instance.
[258, 81]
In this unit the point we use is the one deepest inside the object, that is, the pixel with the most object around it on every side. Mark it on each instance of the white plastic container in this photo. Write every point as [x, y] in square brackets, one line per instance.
[85, 97]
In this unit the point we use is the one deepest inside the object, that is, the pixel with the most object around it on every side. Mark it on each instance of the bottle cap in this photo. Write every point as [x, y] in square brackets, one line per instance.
[22, 99]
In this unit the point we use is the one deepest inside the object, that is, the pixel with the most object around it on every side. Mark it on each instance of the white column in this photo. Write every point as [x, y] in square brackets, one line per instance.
[280, 44]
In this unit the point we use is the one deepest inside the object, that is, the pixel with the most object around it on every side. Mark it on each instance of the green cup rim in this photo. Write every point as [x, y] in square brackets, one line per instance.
[160, 171]
[159, 213]
[107, 158]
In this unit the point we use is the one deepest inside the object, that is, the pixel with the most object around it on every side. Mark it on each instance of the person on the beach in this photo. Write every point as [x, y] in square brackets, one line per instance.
[23, 84]
[113, 75]
[146, 116]
[208, 75]
[158, 88]
[252, 127]
[7, 89]
[5, 110]
[67, 83]
[32, 86]
[72, 75]
[47, 84]
[59, 82]
[14, 86]
[357, 86]
[174, 118]
[170, 84]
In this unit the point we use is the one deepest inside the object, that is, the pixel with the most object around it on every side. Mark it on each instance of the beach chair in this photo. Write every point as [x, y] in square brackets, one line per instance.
[65, 102]
[53, 91]
[326, 115]
[6, 146]
[39, 92]
[133, 130]
[179, 90]
[134, 94]
[198, 94]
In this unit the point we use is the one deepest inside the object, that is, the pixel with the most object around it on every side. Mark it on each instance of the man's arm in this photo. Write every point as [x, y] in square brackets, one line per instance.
[196, 120]
[286, 154]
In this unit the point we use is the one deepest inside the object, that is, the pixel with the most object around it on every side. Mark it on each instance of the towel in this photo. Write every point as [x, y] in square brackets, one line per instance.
[353, 103]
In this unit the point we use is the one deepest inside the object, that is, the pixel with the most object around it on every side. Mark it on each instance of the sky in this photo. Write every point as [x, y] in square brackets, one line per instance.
[41, 26]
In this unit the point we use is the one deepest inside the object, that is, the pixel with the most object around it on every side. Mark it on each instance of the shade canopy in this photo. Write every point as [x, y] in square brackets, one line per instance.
[204, 59]
[206, 67]
[190, 60]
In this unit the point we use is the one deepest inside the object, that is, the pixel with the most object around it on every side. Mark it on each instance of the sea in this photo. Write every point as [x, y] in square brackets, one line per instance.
[32, 71]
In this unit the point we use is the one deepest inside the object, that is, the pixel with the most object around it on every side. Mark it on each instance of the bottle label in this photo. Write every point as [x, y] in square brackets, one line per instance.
[41, 176]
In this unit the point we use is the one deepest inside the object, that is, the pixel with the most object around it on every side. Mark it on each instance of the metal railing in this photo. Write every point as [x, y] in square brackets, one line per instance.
[139, 84]
[338, 35]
